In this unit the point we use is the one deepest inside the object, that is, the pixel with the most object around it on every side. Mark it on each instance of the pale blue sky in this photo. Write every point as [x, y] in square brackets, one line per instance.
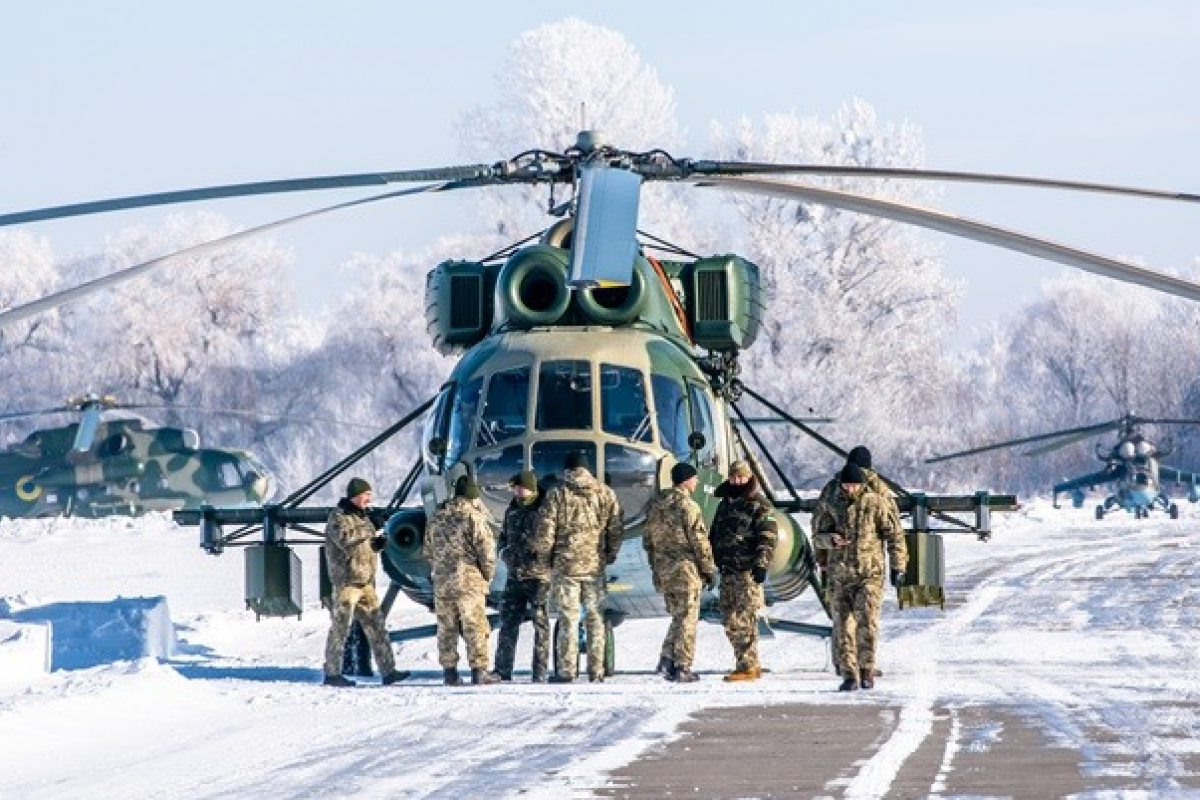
[127, 97]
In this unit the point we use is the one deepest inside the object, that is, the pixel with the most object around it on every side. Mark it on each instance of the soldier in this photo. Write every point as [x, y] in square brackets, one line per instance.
[743, 544]
[855, 529]
[681, 562]
[527, 589]
[861, 456]
[579, 527]
[350, 547]
[462, 557]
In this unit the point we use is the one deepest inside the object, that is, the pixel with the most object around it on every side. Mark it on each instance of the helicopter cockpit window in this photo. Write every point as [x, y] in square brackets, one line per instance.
[623, 407]
[462, 419]
[702, 421]
[1142, 449]
[671, 411]
[1125, 450]
[504, 407]
[631, 473]
[228, 476]
[547, 458]
[564, 396]
[492, 471]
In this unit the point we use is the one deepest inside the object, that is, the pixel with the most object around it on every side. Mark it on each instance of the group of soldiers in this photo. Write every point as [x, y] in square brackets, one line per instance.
[557, 539]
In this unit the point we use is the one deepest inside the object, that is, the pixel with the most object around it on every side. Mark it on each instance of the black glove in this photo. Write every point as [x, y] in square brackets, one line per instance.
[378, 543]
[759, 574]
[897, 577]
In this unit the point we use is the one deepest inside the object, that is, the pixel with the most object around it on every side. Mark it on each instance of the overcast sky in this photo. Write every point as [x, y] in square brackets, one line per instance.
[129, 97]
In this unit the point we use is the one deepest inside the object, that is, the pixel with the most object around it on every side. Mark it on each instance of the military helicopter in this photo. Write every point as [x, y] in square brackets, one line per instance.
[112, 461]
[1132, 464]
[585, 342]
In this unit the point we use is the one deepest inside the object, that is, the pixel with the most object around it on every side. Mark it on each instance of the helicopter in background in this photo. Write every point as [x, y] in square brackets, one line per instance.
[112, 462]
[585, 342]
[1133, 464]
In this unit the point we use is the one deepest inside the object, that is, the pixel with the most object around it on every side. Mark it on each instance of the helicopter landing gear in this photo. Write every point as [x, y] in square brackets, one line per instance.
[1099, 512]
[1173, 510]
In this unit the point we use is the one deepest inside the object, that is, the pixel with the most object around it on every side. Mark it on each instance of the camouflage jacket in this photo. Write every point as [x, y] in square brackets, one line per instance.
[348, 553]
[675, 535]
[579, 525]
[744, 528]
[823, 519]
[868, 523]
[517, 540]
[460, 548]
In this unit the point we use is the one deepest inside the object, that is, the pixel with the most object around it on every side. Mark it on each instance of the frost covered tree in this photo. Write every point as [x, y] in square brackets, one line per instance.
[561, 78]
[857, 306]
[29, 350]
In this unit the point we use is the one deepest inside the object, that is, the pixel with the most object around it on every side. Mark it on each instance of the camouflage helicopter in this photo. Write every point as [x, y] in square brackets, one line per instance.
[1133, 464]
[115, 462]
[583, 342]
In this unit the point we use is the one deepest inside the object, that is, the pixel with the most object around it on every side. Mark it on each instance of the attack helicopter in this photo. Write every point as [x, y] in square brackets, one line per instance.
[111, 461]
[1133, 464]
[585, 342]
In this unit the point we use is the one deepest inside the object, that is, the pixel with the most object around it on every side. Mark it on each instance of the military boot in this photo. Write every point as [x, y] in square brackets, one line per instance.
[502, 676]
[338, 680]
[665, 667]
[539, 676]
[395, 676]
[849, 684]
[450, 676]
[744, 674]
[866, 678]
[685, 675]
[481, 677]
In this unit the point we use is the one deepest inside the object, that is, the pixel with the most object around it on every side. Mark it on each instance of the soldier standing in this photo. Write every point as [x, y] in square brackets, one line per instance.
[527, 589]
[462, 556]
[351, 545]
[858, 525]
[743, 544]
[681, 562]
[580, 527]
[861, 456]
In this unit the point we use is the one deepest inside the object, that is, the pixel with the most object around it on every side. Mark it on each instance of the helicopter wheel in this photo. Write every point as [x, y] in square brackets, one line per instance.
[1173, 511]
[1099, 512]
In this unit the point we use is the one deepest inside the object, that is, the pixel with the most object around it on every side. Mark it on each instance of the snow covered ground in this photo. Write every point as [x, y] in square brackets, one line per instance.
[163, 685]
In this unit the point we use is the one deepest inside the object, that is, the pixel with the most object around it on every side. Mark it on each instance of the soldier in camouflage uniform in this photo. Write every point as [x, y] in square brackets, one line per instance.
[855, 530]
[743, 543]
[861, 456]
[681, 562]
[527, 590]
[462, 557]
[580, 527]
[350, 547]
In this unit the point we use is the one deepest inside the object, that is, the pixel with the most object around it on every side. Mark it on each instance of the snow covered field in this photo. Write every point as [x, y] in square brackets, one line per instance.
[1087, 628]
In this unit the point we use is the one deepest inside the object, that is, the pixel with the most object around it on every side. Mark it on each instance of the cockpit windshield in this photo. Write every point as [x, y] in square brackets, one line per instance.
[504, 407]
[623, 407]
[564, 396]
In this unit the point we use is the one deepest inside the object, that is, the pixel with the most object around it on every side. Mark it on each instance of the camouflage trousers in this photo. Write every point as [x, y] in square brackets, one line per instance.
[465, 615]
[360, 603]
[572, 596]
[856, 605]
[682, 595]
[741, 598]
[522, 597]
[835, 647]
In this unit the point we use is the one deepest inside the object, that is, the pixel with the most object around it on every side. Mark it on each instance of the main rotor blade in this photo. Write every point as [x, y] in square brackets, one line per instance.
[477, 173]
[734, 168]
[18, 313]
[966, 228]
[24, 414]
[1084, 432]
[1070, 439]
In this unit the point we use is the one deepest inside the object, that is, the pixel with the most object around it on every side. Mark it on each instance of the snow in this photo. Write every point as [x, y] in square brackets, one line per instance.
[131, 668]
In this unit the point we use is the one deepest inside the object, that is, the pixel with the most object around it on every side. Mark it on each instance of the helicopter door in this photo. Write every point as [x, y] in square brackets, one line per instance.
[702, 422]
[671, 413]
